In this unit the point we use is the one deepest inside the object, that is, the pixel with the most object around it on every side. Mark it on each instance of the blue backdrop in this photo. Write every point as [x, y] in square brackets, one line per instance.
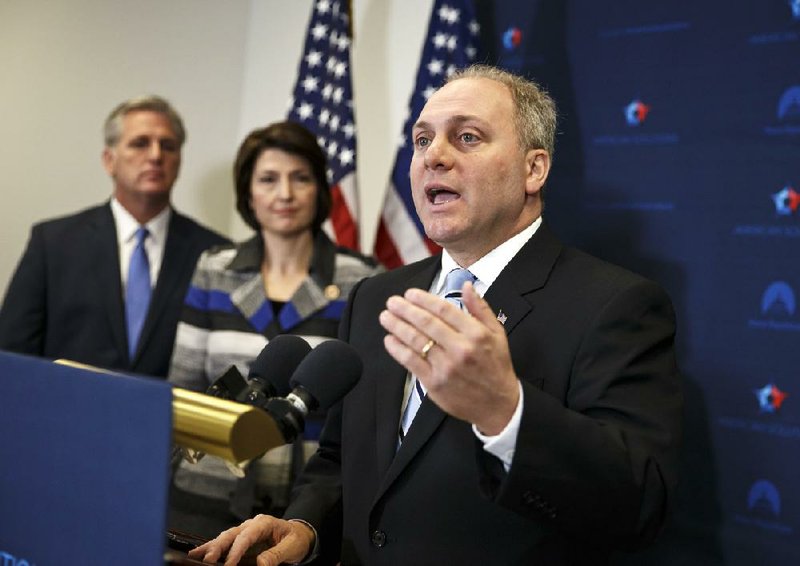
[678, 158]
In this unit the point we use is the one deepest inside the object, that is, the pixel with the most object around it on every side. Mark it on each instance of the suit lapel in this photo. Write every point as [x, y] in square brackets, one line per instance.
[317, 290]
[526, 273]
[389, 397]
[103, 246]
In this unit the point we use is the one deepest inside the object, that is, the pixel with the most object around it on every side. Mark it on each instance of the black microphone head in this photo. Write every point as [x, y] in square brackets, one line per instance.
[328, 372]
[229, 385]
[277, 361]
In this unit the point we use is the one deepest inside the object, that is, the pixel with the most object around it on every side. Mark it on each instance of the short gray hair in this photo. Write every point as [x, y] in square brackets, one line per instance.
[535, 115]
[112, 129]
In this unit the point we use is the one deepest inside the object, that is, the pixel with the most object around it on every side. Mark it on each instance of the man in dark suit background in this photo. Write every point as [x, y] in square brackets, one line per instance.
[544, 415]
[67, 298]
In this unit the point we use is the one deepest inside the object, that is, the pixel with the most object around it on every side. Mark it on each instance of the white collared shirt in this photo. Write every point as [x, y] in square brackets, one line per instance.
[127, 226]
[487, 269]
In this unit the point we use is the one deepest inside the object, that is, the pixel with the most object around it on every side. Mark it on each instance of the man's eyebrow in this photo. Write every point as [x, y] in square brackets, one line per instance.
[456, 120]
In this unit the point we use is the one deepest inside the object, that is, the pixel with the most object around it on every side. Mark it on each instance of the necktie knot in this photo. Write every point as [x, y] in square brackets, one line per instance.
[141, 235]
[454, 282]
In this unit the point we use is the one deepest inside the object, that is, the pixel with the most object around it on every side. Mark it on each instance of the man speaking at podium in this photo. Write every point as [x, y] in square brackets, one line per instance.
[105, 286]
[520, 401]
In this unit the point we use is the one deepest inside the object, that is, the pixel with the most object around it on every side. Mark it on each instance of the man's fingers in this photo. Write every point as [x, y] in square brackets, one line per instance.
[208, 553]
[405, 356]
[249, 536]
[399, 327]
[211, 551]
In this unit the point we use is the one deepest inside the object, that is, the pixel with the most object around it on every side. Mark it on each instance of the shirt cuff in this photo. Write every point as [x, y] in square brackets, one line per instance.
[503, 445]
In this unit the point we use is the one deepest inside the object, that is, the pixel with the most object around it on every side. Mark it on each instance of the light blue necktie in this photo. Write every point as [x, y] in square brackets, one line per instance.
[452, 292]
[454, 282]
[137, 291]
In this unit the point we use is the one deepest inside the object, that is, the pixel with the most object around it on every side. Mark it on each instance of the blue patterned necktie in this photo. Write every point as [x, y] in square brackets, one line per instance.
[137, 291]
[452, 292]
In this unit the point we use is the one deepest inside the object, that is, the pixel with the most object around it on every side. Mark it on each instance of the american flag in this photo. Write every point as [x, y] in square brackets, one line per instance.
[451, 43]
[323, 103]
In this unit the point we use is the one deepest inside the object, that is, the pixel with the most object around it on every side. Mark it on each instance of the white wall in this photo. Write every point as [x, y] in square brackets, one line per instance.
[226, 66]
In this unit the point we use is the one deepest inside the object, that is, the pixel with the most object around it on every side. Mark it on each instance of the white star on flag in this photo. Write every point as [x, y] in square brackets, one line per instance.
[310, 84]
[319, 32]
[448, 14]
[435, 66]
[313, 58]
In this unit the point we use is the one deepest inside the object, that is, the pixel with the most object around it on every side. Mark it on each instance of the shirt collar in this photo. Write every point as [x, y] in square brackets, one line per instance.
[489, 267]
[127, 225]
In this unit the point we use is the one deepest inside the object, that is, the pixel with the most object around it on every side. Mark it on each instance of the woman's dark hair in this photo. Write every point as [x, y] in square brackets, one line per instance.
[291, 138]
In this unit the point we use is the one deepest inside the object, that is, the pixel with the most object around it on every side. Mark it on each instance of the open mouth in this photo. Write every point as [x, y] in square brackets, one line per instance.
[441, 195]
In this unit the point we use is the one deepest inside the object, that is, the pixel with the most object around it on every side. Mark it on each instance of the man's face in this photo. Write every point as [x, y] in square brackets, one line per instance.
[473, 186]
[145, 161]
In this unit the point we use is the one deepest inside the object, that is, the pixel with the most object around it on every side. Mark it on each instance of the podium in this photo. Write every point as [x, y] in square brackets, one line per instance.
[84, 465]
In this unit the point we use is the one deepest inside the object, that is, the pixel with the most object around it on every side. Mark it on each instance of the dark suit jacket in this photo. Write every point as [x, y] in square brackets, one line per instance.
[65, 299]
[595, 458]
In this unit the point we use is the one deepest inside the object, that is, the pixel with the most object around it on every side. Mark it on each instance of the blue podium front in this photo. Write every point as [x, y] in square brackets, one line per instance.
[84, 465]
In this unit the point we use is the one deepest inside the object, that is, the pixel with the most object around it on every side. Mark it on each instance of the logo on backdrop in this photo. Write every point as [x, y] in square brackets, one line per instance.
[794, 5]
[770, 398]
[512, 37]
[764, 508]
[765, 413]
[764, 498]
[787, 113]
[778, 300]
[636, 112]
[786, 201]
[784, 205]
[778, 307]
[789, 104]
[511, 54]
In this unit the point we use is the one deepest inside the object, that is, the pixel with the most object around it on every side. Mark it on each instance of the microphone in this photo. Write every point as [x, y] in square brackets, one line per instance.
[278, 359]
[324, 376]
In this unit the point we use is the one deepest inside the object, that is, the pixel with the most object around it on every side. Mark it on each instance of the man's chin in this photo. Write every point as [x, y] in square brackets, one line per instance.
[443, 233]
[154, 190]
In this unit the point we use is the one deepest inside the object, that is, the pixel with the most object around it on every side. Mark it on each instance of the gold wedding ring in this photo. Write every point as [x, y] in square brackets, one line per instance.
[427, 348]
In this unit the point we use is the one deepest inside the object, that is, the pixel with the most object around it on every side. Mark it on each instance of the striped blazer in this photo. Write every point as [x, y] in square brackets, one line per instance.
[227, 320]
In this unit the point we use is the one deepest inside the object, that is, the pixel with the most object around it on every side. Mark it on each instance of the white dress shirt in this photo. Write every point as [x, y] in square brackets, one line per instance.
[126, 240]
[486, 270]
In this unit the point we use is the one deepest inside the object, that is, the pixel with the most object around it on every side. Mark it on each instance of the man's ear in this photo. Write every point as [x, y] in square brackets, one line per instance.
[108, 160]
[537, 167]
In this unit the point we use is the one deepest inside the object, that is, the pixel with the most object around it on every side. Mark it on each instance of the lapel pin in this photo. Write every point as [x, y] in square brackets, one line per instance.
[501, 316]
[332, 292]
